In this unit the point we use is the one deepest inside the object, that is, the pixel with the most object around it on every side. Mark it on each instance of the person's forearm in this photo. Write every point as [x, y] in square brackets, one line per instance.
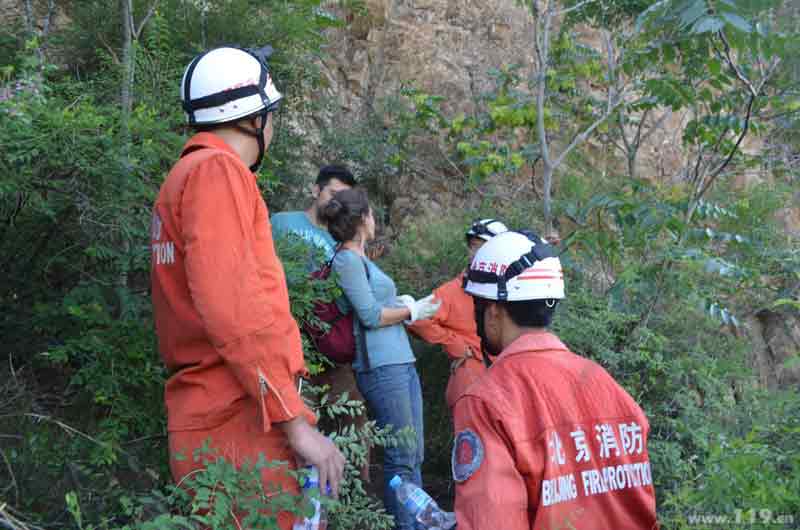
[394, 315]
[294, 427]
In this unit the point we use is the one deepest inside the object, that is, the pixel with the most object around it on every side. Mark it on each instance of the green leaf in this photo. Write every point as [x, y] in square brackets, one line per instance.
[737, 21]
[708, 25]
[714, 65]
[792, 362]
[642, 18]
[784, 302]
[694, 12]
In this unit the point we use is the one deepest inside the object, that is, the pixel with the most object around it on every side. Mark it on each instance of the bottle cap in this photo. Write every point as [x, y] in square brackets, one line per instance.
[395, 482]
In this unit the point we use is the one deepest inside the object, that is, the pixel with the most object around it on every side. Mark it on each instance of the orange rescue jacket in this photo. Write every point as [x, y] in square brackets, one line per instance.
[453, 326]
[547, 440]
[220, 300]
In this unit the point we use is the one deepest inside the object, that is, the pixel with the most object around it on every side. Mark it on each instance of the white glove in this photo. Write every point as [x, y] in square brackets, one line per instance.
[421, 309]
[406, 299]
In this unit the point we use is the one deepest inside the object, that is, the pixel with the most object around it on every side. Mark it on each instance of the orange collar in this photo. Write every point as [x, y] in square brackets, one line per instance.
[533, 342]
[207, 139]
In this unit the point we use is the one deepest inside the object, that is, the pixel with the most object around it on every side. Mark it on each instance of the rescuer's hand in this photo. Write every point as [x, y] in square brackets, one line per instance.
[427, 307]
[313, 447]
[421, 309]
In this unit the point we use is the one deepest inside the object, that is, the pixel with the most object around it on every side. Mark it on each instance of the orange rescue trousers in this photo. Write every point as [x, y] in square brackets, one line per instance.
[238, 440]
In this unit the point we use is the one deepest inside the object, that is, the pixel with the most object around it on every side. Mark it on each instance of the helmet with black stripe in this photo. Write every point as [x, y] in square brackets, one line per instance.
[513, 267]
[227, 84]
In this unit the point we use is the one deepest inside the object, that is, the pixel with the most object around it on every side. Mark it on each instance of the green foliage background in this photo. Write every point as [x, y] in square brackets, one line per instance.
[661, 280]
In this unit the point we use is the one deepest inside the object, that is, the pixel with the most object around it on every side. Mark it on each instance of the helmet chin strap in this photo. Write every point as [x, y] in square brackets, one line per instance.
[259, 135]
[260, 139]
[480, 316]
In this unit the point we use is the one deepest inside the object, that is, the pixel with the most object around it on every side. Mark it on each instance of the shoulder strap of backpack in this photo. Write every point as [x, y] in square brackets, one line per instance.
[329, 263]
[361, 327]
[366, 269]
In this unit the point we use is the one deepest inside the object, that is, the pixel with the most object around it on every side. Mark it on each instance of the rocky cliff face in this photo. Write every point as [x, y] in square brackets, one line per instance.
[776, 348]
[443, 47]
[446, 46]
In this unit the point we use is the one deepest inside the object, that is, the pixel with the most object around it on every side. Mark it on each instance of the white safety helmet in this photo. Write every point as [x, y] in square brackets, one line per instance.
[226, 84]
[486, 229]
[513, 267]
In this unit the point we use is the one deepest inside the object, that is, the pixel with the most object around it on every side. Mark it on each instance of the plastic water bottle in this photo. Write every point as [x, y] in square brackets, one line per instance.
[421, 506]
[318, 521]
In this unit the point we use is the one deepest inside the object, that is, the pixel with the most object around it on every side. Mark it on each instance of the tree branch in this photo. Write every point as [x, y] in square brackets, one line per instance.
[772, 67]
[624, 149]
[109, 49]
[612, 70]
[705, 184]
[770, 117]
[51, 7]
[28, 16]
[657, 125]
[621, 123]
[581, 137]
[138, 32]
[13, 483]
[131, 23]
[695, 175]
[542, 55]
[724, 164]
[569, 10]
[614, 101]
[637, 138]
[733, 65]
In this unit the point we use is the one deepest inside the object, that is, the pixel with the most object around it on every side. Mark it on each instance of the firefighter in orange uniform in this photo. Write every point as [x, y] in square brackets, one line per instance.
[220, 300]
[546, 439]
[453, 326]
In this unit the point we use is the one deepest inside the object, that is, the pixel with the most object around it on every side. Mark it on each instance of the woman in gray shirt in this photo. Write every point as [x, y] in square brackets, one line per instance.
[384, 365]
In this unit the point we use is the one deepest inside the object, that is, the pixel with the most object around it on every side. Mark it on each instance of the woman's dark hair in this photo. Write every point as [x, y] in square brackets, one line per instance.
[344, 214]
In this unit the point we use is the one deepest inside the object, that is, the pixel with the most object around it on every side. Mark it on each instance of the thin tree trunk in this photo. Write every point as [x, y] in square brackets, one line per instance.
[29, 16]
[130, 39]
[128, 71]
[547, 201]
[543, 55]
[126, 106]
[550, 160]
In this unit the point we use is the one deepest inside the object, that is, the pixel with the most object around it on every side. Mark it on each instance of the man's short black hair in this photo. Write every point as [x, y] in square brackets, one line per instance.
[338, 172]
[531, 313]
